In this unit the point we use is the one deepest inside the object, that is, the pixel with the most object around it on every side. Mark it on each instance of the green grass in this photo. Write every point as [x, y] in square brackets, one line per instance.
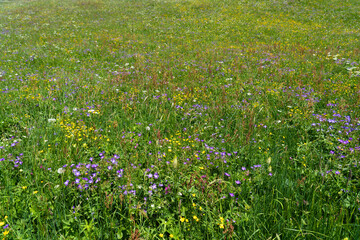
[196, 119]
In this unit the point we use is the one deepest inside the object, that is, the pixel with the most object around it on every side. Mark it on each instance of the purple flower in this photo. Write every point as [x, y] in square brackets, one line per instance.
[66, 182]
[231, 194]
[167, 189]
[237, 182]
[226, 174]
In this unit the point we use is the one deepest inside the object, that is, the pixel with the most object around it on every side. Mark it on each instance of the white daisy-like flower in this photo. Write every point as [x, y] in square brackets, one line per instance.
[61, 171]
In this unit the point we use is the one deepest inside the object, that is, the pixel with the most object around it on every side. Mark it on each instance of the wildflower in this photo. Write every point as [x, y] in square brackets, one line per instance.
[226, 174]
[221, 225]
[35, 192]
[231, 194]
[24, 187]
[237, 182]
[171, 236]
[5, 233]
[61, 171]
[50, 120]
[161, 235]
[182, 219]
[167, 189]
[2, 224]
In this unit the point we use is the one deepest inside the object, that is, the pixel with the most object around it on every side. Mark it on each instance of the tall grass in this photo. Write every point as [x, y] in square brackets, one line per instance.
[196, 119]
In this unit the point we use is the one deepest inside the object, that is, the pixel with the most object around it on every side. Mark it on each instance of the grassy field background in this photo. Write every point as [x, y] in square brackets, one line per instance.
[201, 119]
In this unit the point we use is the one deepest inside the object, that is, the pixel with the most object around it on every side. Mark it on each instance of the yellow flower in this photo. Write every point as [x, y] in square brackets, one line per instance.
[35, 192]
[161, 235]
[5, 217]
[346, 238]
[193, 195]
[6, 233]
[171, 236]
[24, 187]
[2, 224]
[221, 226]
[181, 219]
[194, 204]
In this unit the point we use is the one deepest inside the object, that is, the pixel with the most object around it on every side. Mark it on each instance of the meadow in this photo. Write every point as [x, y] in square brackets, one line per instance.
[180, 119]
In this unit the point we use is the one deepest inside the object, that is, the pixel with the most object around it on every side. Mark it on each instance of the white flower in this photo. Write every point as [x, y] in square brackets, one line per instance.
[51, 120]
[148, 128]
[61, 171]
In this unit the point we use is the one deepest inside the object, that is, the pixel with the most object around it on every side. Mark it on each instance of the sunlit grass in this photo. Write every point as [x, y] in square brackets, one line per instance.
[179, 119]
